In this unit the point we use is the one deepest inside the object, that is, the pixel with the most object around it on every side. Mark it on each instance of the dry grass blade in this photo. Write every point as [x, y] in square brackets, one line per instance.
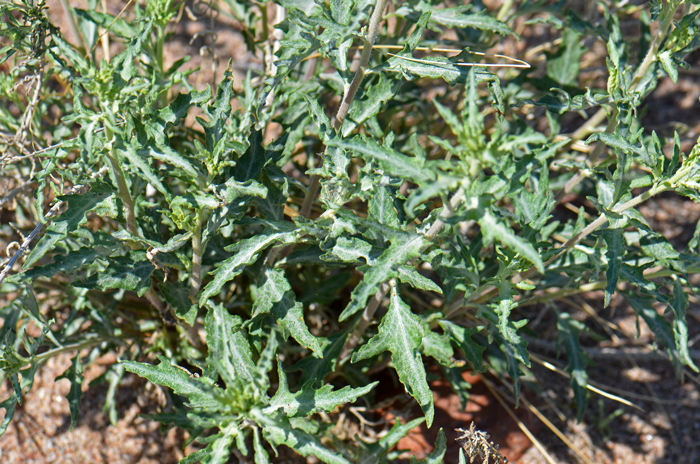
[549, 425]
[590, 387]
[516, 63]
[523, 427]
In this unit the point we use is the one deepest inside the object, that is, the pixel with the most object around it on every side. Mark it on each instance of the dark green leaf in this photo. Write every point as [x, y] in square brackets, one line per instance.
[401, 332]
[198, 393]
[435, 457]
[614, 253]
[70, 220]
[74, 374]
[569, 332]
[308, 400]
[130, 272]
[229, 349]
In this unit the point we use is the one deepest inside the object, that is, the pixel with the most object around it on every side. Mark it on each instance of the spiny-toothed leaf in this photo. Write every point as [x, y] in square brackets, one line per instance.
[165, 154]
[371, 103]
[80, 63]
[656, 246]
[248, 251]
[325, 129]
[644, 307]
[503, 305]
[198, 393]
[177, 110]
[679, 306]
[195, 457]
[266, 361]
[349, 250]
[454, 17]
[261, 455]
[178, 296]
[218, 450]
[493, 229]
[130, 272]
[615, 141]
[392, 161]
[450, 118]
[569, 332]
[272, 286]
[250, 165]
[438, 347]
[513, 354]
[280, 432]
[315, 369]
[290, 316]
[234, 190]
[70, 220]
[142, 168]
[635, 275]
[383, 269]
[462, 338]
[381, 208]
[435, 457]
[123, 63]
[271, 206]
[401, 332]
[668, 64]
[117, 26]
[228, 347]
[374, 453]
[615, 252]
[74, 374]
[563, 66]
[309, 400]
[9, 405]
[218, 113]
[65, 264]
[341, 10]
[410, 276]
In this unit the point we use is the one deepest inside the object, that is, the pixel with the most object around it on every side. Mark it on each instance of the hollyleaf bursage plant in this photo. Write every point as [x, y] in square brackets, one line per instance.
[398, 223]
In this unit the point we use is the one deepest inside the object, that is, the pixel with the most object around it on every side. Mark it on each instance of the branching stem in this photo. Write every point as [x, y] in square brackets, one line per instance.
[349, 96]
[124, 193]
[369, 40]
[599, 117]
[373, 305]
[197, 251]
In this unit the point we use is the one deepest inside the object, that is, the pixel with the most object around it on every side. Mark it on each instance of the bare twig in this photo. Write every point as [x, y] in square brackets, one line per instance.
[349, 96]
[55, 209]
[600, 115]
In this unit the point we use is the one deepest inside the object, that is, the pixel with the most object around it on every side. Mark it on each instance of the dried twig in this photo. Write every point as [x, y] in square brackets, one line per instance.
[53, 212]
[476, 444]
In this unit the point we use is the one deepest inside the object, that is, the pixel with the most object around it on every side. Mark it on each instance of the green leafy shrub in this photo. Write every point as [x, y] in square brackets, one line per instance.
[401, 219]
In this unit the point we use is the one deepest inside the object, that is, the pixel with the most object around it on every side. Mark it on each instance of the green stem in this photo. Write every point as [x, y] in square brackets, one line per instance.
[373, 305]
[197, 251]
[482, 296]
[369, 40]
[124, 193]
[159, 48]
[600, 115]
[65, 348]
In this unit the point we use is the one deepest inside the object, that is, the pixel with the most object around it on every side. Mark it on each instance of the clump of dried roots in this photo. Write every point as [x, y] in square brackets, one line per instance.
[476, 444]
